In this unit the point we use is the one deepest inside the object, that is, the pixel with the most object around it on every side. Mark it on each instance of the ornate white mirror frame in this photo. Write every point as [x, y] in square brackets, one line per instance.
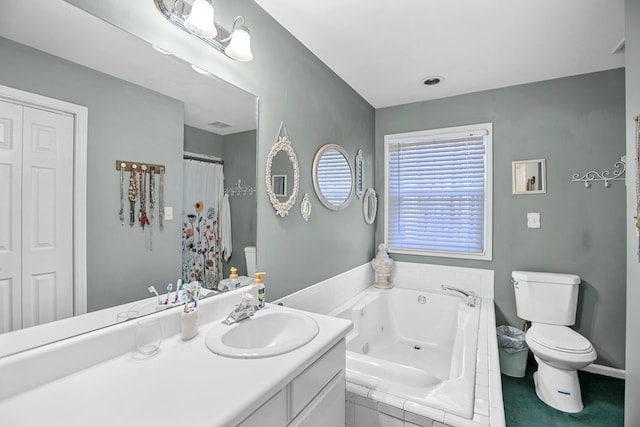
[318, 178]
[283, 144]
[370, 206]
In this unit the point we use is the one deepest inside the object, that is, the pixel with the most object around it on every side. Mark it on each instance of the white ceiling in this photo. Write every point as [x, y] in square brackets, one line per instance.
[63, 30]
[383, 49]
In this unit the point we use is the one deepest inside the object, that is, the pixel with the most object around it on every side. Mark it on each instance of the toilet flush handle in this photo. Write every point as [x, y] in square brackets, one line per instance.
[515, 283]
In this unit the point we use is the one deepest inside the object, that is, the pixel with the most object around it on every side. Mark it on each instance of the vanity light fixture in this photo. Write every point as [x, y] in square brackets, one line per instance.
[239, 47]
[198, 19]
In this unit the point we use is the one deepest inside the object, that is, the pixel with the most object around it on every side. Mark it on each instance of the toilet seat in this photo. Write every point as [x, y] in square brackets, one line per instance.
[559, 338]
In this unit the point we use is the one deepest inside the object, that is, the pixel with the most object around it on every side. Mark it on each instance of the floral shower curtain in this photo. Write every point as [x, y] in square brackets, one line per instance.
[203, 191]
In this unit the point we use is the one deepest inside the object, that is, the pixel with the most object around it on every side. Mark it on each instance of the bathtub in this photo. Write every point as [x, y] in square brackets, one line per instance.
[418, 346]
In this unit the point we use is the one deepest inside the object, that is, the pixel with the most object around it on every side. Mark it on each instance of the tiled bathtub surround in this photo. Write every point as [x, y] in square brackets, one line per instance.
[370, 408]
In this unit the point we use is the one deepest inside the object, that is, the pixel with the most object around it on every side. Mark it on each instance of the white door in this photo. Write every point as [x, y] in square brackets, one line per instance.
[10, 217]
[44, 153]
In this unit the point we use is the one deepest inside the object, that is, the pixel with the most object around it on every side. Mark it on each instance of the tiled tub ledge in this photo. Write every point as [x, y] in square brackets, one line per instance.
[369, 407]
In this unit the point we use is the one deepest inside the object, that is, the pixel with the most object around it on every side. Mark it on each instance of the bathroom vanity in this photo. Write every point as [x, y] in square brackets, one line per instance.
[98, 379]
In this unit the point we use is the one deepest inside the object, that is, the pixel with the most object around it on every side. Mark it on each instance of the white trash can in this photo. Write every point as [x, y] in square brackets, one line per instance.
[512, 350]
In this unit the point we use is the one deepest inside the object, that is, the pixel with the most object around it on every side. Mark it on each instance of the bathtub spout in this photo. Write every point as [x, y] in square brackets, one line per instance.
[469, 296]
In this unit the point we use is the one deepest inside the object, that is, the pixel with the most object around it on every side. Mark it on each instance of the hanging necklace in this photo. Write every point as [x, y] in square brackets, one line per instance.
[121, 213]
[152, 203]
[161, 200]
[142, 215]
[133, 192]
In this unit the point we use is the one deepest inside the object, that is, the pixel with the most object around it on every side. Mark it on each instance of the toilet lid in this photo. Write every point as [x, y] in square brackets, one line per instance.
[559, 338]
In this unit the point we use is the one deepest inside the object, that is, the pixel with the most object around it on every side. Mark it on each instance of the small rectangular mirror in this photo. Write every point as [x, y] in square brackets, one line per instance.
[529, 176]
[279, 183]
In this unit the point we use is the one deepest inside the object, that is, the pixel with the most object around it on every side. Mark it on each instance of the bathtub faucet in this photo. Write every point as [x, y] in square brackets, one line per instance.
[469, 296]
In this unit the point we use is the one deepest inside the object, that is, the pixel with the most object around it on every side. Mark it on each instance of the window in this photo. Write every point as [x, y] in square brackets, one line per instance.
[438, 192]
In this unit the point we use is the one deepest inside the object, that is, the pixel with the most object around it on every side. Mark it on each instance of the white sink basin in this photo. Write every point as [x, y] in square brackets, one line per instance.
[269, 332]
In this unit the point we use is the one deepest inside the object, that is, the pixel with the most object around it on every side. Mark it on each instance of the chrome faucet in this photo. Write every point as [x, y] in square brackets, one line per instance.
[244, 310]
[469, 296]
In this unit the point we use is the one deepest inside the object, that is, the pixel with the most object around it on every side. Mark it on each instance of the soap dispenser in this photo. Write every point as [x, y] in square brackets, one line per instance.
[260, 287]
[234, 282]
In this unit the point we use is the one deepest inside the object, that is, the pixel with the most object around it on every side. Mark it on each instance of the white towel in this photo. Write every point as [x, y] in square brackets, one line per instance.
[225, 228]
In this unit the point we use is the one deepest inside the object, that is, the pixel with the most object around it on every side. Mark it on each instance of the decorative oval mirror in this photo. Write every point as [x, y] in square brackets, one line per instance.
[333, 177]
[282, 176]
[370, 205]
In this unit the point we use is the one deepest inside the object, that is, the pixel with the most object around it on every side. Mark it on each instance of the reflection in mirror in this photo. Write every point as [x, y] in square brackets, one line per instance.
[142, 106]
[529, 176]
[333, 177]
[281, 174]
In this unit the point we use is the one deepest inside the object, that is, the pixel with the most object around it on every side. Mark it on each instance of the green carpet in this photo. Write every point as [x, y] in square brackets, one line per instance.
[603, 399]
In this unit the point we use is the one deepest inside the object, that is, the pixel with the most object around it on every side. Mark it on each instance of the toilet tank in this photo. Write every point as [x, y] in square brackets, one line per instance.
[250, 258]
[550, 298]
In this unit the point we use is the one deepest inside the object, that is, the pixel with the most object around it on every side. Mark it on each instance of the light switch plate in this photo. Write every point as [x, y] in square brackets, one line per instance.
[533, 220]
[168, 213]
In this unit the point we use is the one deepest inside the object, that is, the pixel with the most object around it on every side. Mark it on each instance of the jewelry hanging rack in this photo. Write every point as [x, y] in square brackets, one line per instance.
[620, 169]
[239, 190]
[128, 164]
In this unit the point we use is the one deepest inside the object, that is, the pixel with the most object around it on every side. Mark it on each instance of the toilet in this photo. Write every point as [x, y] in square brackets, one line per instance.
[250, 260]
[549, 301]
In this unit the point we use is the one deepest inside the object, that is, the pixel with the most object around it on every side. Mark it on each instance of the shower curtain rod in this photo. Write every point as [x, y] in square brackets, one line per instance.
[202, 159]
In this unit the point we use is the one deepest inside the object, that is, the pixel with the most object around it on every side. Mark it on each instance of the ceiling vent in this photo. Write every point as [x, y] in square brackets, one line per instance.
[220, 125]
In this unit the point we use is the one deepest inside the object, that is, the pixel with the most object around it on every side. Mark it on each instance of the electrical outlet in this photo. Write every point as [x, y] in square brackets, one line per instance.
[168, 213]
[533, 220]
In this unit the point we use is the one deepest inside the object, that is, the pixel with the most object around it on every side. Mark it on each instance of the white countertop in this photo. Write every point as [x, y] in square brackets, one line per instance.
[183, 384]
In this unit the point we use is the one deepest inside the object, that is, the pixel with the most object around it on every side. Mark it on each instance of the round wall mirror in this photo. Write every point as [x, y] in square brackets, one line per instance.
[333, 177]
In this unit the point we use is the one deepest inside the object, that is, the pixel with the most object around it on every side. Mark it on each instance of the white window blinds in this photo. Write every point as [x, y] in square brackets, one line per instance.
[438, 193]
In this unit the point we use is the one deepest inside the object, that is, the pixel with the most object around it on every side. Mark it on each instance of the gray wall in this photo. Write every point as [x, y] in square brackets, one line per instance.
[577, 124]
[239, 153]
[632, 57]
[126, 122]
[318, 107]
[203, 142]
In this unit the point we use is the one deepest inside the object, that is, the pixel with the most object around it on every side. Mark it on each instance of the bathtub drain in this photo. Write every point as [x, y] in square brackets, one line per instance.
[417, 347]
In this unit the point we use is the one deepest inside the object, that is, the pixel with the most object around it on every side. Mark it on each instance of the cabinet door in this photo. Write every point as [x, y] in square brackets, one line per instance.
[272, 414]
[327, 409]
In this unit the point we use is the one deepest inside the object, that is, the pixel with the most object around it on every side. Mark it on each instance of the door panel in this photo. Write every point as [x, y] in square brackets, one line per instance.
[10, 216]
[47, 262]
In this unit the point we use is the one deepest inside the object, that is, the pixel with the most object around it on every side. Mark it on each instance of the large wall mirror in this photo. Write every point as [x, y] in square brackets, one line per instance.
[333, 177]
[145, 106]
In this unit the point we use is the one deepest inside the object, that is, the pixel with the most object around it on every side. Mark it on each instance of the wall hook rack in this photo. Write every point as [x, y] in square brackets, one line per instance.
[239, 190]
[620, 167]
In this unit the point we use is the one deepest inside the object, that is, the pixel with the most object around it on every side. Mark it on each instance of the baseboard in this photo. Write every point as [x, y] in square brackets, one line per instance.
[605, 370]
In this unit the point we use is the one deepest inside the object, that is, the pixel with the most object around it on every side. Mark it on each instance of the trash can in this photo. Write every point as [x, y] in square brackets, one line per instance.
[512, 350]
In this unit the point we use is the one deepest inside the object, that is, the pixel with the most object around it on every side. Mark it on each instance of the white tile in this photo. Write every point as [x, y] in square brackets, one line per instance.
[482, 392]
[481, 419]
[350, 414]
[418, 419]
[390, 410]
[425, 411]
[482, 378]
[358, 390]
[454, 420]
[385, 420]
[481, 406]
[364, 401]
[496, 417]
[365, 417]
